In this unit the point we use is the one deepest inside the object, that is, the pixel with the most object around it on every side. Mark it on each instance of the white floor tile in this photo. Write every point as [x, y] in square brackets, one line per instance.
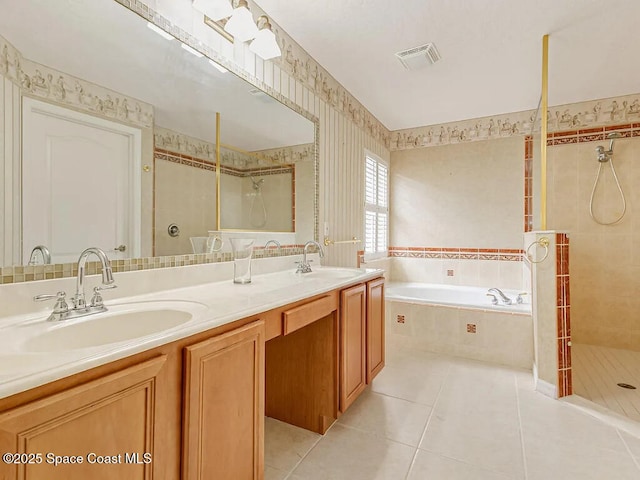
[605, 465]
[285, 445]
[633, 443]
[417, 382]
[271, 473]
[429, 465]
[348, 454]
[387, 417]
[483, 418]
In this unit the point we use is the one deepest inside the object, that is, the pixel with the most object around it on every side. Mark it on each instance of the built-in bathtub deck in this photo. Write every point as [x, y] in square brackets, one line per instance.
[437, 322]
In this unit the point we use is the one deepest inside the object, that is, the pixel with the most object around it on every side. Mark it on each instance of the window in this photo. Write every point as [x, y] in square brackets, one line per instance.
[376, 205]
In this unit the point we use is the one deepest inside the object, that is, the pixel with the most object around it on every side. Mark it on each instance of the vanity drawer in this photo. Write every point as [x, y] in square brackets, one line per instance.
[302, 315]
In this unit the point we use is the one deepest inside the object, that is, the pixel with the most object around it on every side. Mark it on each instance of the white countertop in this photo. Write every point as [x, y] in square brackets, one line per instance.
[211, 304]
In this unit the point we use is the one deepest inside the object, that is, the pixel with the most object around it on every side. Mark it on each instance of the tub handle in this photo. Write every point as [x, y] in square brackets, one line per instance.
[519, 299]
[494, 300]
[544, 243]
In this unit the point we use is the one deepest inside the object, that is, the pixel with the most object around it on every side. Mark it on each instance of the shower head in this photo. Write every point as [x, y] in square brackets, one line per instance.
[612, 137]
[257, 184]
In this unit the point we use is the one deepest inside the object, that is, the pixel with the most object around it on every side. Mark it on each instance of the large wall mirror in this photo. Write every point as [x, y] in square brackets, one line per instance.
[109, 139]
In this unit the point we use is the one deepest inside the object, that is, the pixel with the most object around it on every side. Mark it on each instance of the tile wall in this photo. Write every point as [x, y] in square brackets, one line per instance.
[605, 263]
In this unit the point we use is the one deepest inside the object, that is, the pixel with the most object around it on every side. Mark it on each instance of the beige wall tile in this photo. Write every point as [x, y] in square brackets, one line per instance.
[604, 260]
[464, 195]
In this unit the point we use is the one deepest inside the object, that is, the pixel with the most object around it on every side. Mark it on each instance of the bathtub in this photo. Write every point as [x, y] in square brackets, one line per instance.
[455, 296]
[461, 321]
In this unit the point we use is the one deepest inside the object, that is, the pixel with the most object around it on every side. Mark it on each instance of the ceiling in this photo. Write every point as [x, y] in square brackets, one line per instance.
[491, 52]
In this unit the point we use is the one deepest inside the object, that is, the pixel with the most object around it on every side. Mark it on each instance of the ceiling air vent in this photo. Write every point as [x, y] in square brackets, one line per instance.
[418, 57]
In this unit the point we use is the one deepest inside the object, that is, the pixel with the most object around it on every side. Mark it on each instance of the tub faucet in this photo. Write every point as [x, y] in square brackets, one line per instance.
[304, 267]
[506, 300]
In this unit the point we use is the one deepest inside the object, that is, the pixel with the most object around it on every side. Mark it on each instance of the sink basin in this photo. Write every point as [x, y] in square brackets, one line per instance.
[121, 323]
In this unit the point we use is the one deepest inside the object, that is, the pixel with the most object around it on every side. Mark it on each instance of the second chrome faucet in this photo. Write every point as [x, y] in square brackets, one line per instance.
[303, 266]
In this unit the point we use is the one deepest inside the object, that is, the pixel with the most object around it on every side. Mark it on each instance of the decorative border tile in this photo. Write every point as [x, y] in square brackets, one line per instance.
[626, 130]
[509, 255]
[563, 302]
[41, 81]
[528, 183]
[582, 117]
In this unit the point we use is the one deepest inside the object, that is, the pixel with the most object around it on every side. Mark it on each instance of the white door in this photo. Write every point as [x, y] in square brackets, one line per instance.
[80, 183]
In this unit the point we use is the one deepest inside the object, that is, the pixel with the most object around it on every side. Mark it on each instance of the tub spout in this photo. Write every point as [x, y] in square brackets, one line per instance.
[506, 300]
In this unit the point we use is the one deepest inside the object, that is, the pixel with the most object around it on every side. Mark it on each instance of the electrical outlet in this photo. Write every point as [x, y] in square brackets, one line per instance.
[400, 319]
[471, 328]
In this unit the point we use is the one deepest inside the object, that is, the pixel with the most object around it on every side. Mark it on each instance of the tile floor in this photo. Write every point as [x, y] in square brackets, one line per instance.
[430, 416]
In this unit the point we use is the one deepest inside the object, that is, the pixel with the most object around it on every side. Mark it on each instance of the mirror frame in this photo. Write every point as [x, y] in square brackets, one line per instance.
[24, 273]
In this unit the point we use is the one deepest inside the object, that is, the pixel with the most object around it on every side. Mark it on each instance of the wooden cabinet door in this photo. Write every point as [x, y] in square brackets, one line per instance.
[375, 328]
[223, 435]
[352, 344]
[111, 419]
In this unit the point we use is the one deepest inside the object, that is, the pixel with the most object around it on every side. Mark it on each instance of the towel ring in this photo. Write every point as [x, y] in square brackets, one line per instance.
[544, 243]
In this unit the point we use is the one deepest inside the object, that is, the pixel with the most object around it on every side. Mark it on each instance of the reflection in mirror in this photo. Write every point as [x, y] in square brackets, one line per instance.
[130, 118]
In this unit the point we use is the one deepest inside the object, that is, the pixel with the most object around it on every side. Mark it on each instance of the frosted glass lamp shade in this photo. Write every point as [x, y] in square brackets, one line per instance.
[265, 45]
[241, 25]
[214, 9]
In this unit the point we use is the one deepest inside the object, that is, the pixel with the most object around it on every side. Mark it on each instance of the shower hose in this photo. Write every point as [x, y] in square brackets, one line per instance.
[593, 192]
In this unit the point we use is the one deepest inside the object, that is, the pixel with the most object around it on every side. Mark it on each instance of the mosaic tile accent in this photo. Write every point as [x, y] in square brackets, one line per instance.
[510, 255]
[64, 270]
[563, 302]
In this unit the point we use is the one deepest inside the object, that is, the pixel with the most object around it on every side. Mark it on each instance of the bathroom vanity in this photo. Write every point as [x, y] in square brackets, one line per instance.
[190, 404]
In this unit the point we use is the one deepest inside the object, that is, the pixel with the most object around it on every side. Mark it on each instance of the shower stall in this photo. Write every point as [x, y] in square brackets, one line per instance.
[594, 197]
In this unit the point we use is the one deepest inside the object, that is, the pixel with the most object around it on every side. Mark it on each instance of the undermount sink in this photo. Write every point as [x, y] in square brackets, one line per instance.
[120, 323]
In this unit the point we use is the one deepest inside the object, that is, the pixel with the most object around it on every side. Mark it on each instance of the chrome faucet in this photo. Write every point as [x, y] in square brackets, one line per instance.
[44, 251]
[107, 274]
[275, 242]
[506, 300]
[304, 267]
[61, 310]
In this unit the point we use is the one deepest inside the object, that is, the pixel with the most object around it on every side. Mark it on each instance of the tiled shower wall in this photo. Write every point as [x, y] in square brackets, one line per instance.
[605, 260]
[185, 195]
[456, 213]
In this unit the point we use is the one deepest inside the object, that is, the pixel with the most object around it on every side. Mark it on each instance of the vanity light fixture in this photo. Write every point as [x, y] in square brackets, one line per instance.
[191, 50]
[214, 9]
[159, 31]
[241, 24]
[218, 67]
[265, 44]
